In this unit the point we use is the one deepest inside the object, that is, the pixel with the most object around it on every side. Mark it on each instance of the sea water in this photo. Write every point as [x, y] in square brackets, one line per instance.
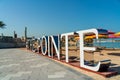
[108, 43]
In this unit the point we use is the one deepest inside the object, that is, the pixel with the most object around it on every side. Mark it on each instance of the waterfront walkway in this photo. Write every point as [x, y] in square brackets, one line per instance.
[16, 64]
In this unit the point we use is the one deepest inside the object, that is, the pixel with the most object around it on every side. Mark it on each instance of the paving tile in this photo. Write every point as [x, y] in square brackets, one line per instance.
[16, 64]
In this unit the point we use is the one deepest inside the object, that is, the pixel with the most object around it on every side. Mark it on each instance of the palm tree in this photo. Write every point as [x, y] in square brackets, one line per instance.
[2, 25]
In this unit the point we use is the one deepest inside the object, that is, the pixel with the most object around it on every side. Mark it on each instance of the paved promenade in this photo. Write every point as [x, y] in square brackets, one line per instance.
[16, 64]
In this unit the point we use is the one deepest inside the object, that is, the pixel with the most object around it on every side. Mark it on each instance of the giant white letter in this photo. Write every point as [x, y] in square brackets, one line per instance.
[66, 43]
[82, 48]
[56, 43]
[44, 47]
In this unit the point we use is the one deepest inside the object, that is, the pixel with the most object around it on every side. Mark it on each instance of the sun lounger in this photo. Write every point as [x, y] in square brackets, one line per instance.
[104, 65]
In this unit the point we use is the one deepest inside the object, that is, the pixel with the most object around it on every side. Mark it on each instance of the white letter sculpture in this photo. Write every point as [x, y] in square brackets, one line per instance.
[44, 47]
[82, 48]
[56, 43]
[66, 44]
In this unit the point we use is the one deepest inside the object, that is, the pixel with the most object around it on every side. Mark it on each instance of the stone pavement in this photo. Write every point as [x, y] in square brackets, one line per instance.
[16, 64]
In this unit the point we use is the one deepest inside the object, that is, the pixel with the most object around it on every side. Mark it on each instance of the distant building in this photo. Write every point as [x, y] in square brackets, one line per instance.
[10, 42]
[15, 34]
[6, 39]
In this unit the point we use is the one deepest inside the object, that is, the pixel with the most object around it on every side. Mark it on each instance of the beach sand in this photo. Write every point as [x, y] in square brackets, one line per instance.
[112, 54]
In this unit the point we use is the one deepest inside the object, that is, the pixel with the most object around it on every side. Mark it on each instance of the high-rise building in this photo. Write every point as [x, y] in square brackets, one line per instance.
[15, 35]
[25, 33]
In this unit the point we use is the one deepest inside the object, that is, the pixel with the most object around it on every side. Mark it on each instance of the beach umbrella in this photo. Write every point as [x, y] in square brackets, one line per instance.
[110, 32]
[104, 34]
[89, 37]
[77, 38]
[99, 36]
[117, 34]
[102, 31]
[111, 36]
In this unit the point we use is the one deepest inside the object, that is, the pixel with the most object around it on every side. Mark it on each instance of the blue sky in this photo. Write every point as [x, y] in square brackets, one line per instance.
[51, 17]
